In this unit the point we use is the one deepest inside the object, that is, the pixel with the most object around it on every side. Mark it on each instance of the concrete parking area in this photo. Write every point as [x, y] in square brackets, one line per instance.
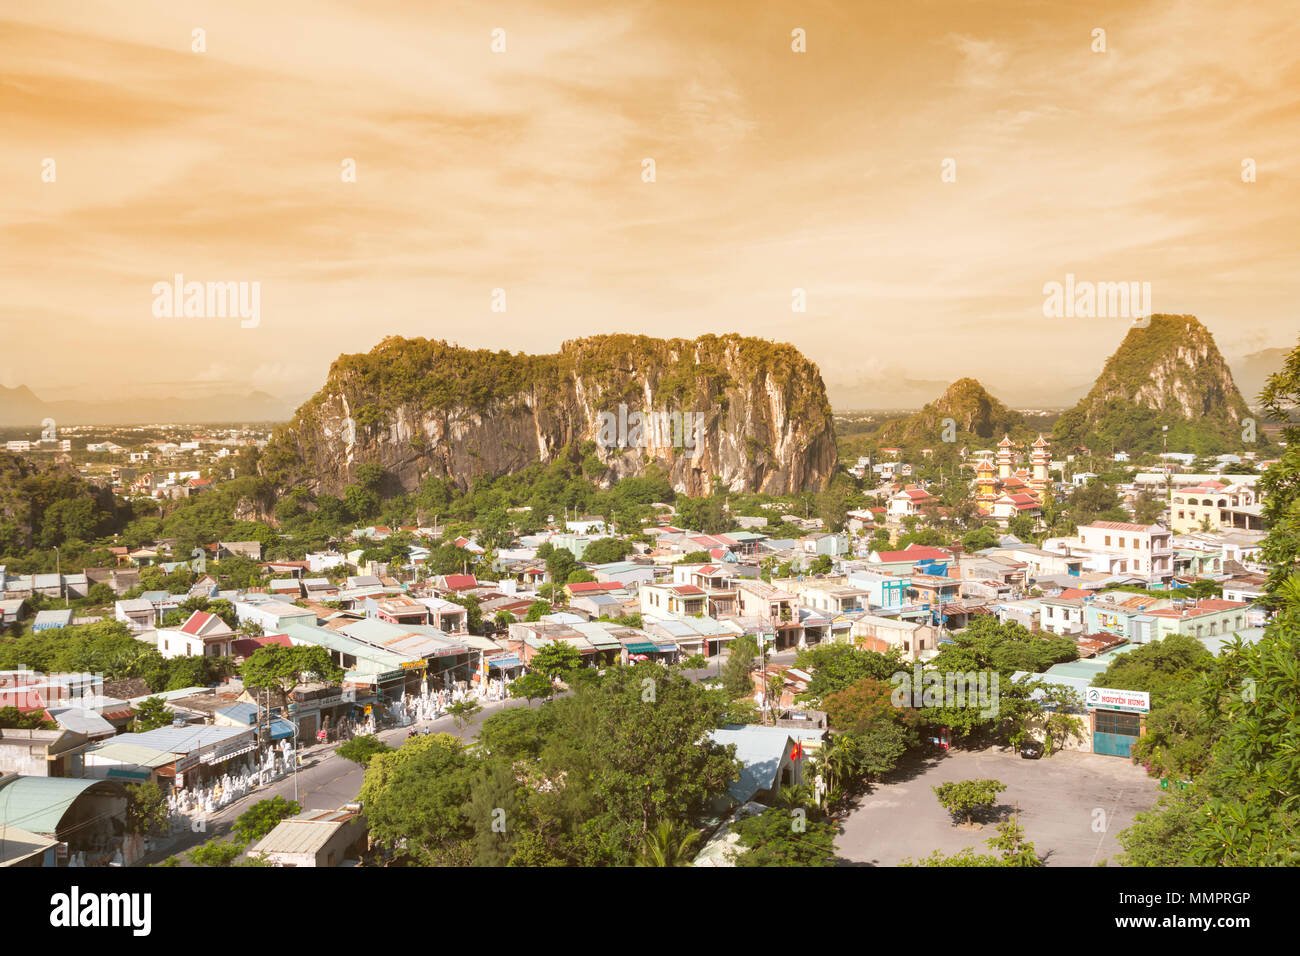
[1072, 807]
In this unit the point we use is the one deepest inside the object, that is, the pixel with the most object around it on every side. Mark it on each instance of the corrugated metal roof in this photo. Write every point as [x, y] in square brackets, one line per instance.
[134, 754]
[298, 836]
[182, 740]
[760, 750]
[38, 804]
[17, 845]
[82, 721]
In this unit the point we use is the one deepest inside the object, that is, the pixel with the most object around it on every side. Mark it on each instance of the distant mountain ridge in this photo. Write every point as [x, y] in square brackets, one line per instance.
[20, 407]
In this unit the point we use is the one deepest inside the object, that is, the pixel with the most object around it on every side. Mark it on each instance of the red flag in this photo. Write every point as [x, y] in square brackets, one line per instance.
[797, 753]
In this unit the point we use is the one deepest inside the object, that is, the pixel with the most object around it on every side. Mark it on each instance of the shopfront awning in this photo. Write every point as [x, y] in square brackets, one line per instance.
[128, 774]
[642, 647]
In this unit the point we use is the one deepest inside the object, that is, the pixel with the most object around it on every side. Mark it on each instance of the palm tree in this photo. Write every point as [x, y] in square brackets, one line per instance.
[668, 845]
[794, 797]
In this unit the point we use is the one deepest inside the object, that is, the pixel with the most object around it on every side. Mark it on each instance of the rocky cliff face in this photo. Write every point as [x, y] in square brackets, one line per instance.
[1169, 374]
[755, 414]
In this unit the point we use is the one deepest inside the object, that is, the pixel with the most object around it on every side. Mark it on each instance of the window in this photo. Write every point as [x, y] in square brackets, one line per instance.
[1121, 542]
[1107, 540]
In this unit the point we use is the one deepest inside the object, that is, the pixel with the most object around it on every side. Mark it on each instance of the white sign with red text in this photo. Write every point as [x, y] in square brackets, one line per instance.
[1103, 698]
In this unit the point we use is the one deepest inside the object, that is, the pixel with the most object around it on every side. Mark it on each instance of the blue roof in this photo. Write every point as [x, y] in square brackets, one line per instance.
[760, 750]
[241, 711]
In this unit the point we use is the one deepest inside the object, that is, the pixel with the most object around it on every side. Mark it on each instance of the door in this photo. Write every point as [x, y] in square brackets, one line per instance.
[1115, 733]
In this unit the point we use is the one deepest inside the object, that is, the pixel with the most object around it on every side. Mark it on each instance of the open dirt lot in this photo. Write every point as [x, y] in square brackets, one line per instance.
[1059, 799]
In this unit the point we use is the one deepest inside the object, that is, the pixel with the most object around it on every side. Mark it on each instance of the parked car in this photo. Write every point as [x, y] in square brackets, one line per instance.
[1031, 750]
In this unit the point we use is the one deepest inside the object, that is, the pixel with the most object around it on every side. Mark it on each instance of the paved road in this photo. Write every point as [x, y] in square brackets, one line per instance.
[326, 781]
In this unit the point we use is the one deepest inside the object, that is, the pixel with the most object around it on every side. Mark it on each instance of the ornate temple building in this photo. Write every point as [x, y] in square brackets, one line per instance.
[1013, 489]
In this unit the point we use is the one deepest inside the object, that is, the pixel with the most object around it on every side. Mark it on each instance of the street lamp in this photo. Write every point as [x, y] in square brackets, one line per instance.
[295, 761]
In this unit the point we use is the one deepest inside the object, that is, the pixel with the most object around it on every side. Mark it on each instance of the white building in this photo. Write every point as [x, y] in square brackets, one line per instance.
[1113, 547]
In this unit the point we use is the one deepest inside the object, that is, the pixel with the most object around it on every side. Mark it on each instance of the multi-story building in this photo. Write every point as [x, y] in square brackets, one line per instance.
[1214, 505]
[1113, 547]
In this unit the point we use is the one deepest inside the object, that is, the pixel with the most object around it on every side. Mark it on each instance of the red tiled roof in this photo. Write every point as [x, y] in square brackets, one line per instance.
[461, 582]
[583, 587]
[248, 646]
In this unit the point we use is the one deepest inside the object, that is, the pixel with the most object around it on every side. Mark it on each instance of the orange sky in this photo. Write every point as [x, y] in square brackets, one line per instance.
[522, 170]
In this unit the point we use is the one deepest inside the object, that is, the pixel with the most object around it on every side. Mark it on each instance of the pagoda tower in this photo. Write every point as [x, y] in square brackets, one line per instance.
[1040, 458]
[1006, 456]
[985, 485]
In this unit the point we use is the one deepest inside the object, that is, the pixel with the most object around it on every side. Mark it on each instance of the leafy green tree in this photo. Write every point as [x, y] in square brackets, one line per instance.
[537, 610]
[980, 538]
[1010, 840]
[607, 551]
[531, 686]
[736, 678]
[781, 837]
[280, 669]
[1170, 669]
[557, 661]
[965, 798]
[260, 819]
[361, 748]
[560, 563]
[835, 667]
[632, 748]
[495, 811]
[516, 734]
[463, 712]
[13, 718]
[215, 852]
[150, 714]
[414, 798]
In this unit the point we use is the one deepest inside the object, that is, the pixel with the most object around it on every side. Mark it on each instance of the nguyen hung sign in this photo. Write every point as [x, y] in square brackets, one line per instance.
[1103, 698]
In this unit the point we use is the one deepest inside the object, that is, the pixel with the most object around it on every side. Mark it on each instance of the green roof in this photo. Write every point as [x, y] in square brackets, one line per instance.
[38, 804]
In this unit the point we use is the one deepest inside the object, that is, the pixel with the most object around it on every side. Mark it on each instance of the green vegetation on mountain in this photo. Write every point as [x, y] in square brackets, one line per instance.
[1169, 374]
[973, 411]
[46, 506]
[418, 407]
